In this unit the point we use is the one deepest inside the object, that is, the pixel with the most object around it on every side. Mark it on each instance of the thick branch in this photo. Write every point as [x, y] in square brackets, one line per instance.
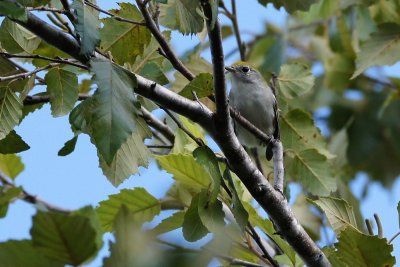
[270, 200]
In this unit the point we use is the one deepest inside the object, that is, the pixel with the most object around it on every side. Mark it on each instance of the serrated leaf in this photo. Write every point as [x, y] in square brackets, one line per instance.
[357, 249]
[206, 157]
[321, 10]
[140, 203]
[201, 85]
[16, 39]
[62, 87]
[127, 160]
[90, 213]
[68, 147]
[301, 133]
[124, 40]
[210, 213]
[21, 253]
[66, 238]
[13, 143]
[185, 170]
[87, 26]
[46, 50]
[295, 79]
[13, 11]
[132, 246]
[10, 112]
[339, 213]
[170, 223]
[290, 5]
[182, 15]
[192, 227]
[113, 116]
[313, 171]
[381, 49]
[11, 165]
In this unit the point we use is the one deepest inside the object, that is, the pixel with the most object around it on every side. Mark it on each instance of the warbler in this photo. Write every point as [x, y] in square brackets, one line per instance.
[254, 99]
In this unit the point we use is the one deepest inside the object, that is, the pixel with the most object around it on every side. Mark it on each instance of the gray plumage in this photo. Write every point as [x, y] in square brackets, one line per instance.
[251, 96]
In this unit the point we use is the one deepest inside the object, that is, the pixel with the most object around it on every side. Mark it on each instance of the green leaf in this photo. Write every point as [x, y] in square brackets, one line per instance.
[125, 41]
[33, 3]
[206, 157]
[238, 210]
[381, 49]
[46, 50]
[268, 54]
[202, 85]
[183, 144]
[132, 246]
[185, 170]
[171, 223]
[182, 15]
[154, 73]
[151, 54]
[16, 39]
[68, 147]
[91, 214]
[211, 213]
[301, 133]
[192, 227]
[290, 5]
[113, 116]
[140, 203]
[313, 172]
[70, 239]
[321, 10]
[357, 249]
[295, 80]
[10, 112]
[21, 253]
[339, 213]
[11, 165]
[87, 26]
[308, 219]
[339, 69]
[62, 87]
[13, 11]
[7, 195]
[132, 154]
[385, 11]
[13, 143]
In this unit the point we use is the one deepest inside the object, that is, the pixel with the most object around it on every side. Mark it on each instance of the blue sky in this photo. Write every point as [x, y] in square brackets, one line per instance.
[75, 181]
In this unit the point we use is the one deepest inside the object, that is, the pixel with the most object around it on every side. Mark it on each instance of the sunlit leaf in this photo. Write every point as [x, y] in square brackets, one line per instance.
[87, 25]
[153, 72]
[69, 239]
[210, 213]
[339, 213]
[13, 11]
[193, 229]
[62, 87]
[125, 41]
[11, 165]
[140, 203]
[294, 80]
[201, 86]
[16, 39]
[313, 171]
[170, 223]
[381, 49]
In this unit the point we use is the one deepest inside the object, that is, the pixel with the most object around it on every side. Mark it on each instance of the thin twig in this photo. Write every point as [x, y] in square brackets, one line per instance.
[66, 25]
[25, 75]
[56, 60]
[48, 9]
[41, 80]
[160, 146]
[369, 226]
[69, 14]
[151, 25]
[116, 17]
[31, 198]
[394, 237]
[198, 141]
[233, 17]
[158, 125]
[378, 225]
[38, 99]
[258, 240]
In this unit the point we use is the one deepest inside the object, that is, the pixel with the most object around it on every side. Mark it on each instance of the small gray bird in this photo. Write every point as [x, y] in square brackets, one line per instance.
[251, 96]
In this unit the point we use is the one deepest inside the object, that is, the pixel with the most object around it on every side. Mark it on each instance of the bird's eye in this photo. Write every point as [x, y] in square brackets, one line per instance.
[245, 69]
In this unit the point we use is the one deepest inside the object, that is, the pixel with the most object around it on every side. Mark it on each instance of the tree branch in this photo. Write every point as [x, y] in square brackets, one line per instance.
[25, 75]
[158, 125]
[269, 199]
[175, 61]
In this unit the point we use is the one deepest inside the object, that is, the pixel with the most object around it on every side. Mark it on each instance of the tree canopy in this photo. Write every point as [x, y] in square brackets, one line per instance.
[117, 77]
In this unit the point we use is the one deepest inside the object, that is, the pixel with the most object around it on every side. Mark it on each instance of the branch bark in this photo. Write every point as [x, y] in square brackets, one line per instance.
[270, 200]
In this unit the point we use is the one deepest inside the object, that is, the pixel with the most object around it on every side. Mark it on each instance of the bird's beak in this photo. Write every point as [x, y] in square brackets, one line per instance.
[230, 69]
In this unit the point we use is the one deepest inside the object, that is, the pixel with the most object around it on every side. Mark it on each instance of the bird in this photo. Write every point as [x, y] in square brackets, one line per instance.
[253, 98]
